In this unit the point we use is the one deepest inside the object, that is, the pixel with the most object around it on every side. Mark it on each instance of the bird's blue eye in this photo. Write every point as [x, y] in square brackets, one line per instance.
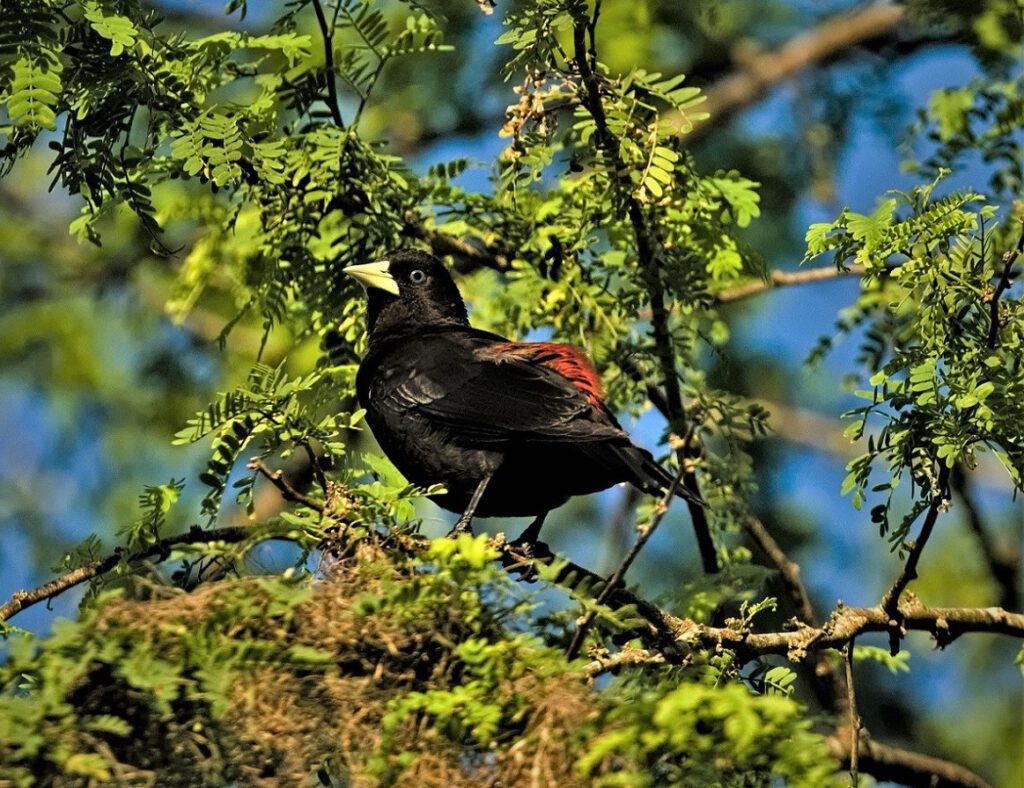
[417, 277]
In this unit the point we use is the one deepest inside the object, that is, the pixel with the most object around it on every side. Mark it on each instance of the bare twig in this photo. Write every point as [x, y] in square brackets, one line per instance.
[891, 600]
[786, 278]
[332, 87]
[760, 72]
[892, 764]
[626, 658]
[22, 600]
[646, 532]
[851, 704]
[288, 492]
[789, 571]
[826, 680]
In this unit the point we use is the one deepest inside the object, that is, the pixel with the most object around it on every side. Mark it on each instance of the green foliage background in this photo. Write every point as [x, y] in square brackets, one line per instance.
[216, 174]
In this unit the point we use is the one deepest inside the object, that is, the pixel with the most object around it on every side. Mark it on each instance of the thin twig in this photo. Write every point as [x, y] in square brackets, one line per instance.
[940, 498]
[22, 600]
[332, 87]
[288, 492]
[314, 461]
[825, 679]
[1005, 281]
[789, 571]
[851, 704]
[646, 532]
[787, 278]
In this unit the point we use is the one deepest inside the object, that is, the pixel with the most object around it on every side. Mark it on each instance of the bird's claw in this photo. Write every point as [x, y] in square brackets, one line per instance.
[531, 548]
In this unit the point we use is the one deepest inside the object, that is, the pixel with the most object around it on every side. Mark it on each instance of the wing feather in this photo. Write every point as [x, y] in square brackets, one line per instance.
[454, 380]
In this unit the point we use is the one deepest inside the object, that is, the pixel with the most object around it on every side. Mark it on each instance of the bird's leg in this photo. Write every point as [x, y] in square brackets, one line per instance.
[531, 534]
[463, 526]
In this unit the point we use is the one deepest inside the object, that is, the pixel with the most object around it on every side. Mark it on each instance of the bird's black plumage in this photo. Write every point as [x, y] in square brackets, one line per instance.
[454, 405]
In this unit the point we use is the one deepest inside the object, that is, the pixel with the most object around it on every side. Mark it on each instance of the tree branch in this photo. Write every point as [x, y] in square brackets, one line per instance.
[891, 600]
[332, 87]
[788, 570]
[673, 637]
[826, 680]
[288, 492]
[945, 624]
[1005, 280]
[651, 271]
[892, 764]
[760, 72]
[851, 704]
[472, 257]
[21, 600]
[784, 278]
[628, 657]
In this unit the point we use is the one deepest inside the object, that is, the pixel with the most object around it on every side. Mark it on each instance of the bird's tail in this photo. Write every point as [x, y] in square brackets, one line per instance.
[647, 475]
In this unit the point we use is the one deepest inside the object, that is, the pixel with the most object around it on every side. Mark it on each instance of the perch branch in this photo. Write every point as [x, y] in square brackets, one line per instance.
[945, 624]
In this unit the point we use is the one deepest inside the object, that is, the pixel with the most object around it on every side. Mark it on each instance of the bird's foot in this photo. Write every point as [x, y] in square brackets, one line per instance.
[531, 549]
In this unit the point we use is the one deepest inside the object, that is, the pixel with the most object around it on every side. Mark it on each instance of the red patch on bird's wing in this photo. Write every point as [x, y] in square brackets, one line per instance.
[567, 360]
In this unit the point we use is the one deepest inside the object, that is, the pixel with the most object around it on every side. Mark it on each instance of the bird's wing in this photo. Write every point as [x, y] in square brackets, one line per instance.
[465, 383]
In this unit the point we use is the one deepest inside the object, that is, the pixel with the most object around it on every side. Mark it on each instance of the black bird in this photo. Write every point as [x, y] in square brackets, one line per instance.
[509, 428]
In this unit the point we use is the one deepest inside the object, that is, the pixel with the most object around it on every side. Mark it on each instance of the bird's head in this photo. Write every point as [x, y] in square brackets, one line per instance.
[407, 291]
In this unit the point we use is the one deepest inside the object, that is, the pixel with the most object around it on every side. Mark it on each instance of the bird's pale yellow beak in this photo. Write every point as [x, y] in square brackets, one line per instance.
[374, 275]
